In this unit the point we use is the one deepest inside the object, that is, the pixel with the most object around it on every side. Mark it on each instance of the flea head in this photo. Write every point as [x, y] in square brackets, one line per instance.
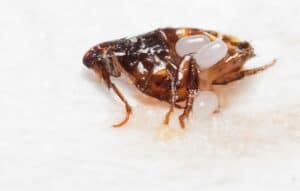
[91, 57]
[245, 46]
[100, 58]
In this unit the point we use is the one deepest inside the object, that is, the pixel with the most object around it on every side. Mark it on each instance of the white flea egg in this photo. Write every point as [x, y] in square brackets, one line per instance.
[191, 44]
[205, 103]
[211, 54]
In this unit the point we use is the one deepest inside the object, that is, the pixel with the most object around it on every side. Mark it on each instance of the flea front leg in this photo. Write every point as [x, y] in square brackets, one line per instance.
[127, 106]
[110, 84]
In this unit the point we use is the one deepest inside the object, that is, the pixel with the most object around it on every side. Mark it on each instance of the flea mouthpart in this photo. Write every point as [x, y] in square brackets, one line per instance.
[205, 104]
[191, 44]
[211, 54]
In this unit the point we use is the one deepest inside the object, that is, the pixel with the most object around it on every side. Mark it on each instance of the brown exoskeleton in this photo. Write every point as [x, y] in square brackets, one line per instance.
[152, 63]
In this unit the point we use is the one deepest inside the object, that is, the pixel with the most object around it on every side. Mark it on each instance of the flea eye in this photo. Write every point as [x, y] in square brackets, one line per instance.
[211, 54]
[89, 58]
[191, 44]
[94, 55]
[243, 45]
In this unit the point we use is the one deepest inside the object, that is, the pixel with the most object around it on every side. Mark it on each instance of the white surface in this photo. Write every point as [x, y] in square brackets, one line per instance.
[55, 116]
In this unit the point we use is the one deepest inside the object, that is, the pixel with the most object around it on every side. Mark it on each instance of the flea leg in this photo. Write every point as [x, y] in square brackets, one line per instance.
[227, 78]
[179, 106]
[237, 75]
[184, 65]
[188, 108]
[106, 78]
[192, 88]
[172, 101]
[127, 106]
[168, 114]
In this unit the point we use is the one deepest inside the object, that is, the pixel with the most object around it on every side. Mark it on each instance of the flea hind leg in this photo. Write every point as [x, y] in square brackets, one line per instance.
[227, 78]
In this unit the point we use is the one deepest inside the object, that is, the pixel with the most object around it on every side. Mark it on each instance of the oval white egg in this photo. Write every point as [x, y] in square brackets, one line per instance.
[191, 44]
[205, 103]
[211, 54]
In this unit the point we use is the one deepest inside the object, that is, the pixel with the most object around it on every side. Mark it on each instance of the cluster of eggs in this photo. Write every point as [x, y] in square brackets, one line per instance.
[206, 53]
